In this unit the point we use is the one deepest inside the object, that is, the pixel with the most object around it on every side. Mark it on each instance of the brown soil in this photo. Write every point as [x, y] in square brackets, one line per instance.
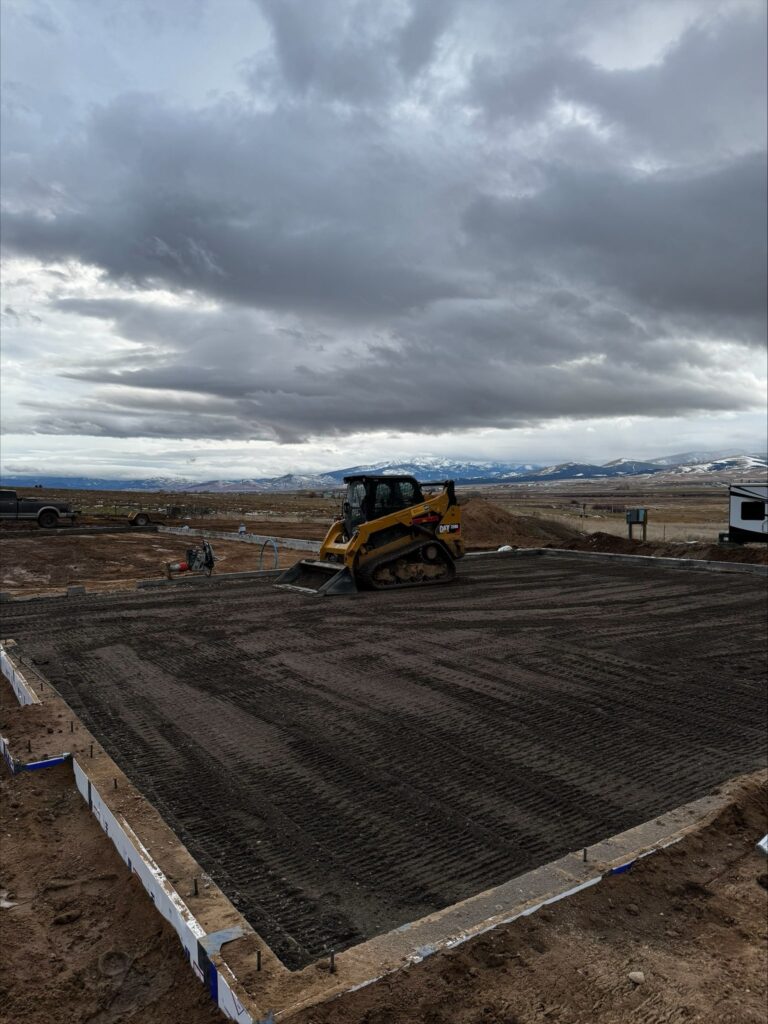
[83, 942]
[486, 525]
[277, 526]
[43, 563]
[46, 564]
[692, 919]
[336, 785]
[754, 553]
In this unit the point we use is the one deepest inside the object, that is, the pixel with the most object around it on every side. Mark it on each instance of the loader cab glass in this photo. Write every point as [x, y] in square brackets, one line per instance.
[373, 497]
[354, 506]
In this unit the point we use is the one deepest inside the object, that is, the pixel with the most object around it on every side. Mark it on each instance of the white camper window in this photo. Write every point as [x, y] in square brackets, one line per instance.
[753, 510]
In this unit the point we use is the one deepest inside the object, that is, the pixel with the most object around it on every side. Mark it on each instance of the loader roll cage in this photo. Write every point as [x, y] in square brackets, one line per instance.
[372, 497]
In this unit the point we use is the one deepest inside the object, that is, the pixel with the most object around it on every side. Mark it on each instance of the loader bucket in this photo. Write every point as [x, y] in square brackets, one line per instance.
[311, 577]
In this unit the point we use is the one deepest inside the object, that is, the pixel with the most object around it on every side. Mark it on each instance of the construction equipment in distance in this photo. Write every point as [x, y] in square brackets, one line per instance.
[200, 560]
[389, 535]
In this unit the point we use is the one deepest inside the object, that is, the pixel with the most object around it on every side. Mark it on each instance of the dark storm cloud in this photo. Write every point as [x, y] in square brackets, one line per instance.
[377, 238]
[706, 94]
[289, 210]
[454, 368]
[352, 50]
[421, 34]
[692, 244]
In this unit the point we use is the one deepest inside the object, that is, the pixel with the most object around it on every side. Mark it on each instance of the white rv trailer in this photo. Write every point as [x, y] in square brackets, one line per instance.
[748, 517]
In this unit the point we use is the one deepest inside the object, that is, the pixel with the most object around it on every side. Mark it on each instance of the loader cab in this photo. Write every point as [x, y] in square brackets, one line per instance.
[372, 497]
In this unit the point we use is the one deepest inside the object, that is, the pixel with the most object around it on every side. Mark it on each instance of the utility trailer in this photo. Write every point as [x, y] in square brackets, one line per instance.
[748, 513]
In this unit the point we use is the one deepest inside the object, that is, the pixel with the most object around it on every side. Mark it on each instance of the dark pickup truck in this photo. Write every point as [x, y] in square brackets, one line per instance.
[46, 512]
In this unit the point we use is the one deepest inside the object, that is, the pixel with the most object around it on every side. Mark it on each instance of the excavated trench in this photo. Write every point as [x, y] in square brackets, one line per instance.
[342, 766]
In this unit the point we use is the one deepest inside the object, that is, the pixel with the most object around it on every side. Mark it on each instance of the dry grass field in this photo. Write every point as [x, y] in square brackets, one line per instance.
[677, 511]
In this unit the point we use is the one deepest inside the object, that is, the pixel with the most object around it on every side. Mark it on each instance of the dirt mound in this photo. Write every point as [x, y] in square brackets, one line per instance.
[486, 525]
[623, 546]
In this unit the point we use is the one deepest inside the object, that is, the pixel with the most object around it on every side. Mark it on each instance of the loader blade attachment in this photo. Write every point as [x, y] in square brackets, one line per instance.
[313, 577]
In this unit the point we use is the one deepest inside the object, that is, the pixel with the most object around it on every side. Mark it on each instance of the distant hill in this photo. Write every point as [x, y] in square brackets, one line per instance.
[587, 471]
[429, 468]
[689, 464]
[288, 482]
[731, 464]
[88, 483]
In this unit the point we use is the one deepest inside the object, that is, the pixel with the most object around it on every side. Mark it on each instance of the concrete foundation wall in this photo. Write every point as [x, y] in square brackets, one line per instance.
[24, 693]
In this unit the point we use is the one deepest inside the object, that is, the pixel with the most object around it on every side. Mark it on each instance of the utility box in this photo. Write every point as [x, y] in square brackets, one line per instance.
[635, 517]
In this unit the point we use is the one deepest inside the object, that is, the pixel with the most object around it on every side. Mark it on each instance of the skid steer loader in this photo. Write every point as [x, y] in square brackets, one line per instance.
[389, 535]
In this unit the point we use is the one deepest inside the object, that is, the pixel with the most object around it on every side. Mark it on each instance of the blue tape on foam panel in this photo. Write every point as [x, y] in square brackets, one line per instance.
[33, 766]
[622, 868]
[213, 983]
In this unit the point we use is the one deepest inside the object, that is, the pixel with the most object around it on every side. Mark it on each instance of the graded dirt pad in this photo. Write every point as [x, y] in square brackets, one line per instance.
[41, 564]
[342, 766]
[691, 920]
[82, 943]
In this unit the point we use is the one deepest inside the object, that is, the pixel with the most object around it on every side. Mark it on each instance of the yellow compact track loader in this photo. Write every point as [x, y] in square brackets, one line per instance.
[390, 535]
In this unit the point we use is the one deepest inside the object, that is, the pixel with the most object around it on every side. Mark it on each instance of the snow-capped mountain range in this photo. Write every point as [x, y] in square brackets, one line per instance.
[700, 465]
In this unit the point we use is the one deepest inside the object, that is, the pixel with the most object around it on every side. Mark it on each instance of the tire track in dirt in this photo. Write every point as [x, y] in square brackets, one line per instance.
[343, 766]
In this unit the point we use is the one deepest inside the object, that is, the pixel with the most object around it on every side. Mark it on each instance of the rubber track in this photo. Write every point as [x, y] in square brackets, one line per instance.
[341, 767]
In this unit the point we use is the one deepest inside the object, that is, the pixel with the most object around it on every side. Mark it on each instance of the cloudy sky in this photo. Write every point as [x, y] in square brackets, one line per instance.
[248, 236]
